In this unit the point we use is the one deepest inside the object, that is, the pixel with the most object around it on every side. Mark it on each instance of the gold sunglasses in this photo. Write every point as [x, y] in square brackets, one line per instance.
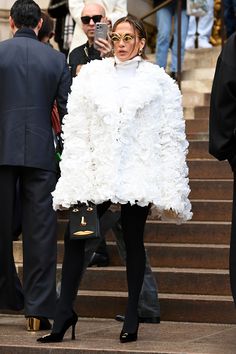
[125, 37]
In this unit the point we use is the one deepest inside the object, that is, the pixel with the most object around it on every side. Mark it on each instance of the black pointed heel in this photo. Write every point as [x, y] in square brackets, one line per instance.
[58, 337]
[126, 337]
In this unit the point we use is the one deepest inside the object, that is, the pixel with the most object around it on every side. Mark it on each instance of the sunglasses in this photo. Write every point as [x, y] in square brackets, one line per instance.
[125, 37]
[86, 19]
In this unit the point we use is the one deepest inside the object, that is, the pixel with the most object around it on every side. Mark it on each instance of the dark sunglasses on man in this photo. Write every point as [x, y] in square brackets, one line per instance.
[86, 19]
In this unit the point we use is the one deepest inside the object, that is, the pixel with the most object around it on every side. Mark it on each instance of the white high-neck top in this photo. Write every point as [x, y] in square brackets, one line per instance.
[125, 72]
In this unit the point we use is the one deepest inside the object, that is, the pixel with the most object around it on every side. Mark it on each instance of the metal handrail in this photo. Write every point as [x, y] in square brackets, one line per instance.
[179, 9]
[156, 8]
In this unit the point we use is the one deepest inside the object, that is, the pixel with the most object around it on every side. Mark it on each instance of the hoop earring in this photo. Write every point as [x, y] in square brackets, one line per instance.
[140, 52]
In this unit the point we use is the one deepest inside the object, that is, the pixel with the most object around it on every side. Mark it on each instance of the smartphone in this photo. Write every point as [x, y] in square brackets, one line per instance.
[101, 31]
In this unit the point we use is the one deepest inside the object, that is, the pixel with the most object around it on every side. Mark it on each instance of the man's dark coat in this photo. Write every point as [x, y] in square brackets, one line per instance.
[32, 76]
[222, 131]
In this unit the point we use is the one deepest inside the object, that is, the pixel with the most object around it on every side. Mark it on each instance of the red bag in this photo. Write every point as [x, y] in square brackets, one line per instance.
[56, 123]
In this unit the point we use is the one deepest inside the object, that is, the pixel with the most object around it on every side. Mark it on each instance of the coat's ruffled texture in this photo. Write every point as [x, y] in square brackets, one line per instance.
[134, 153]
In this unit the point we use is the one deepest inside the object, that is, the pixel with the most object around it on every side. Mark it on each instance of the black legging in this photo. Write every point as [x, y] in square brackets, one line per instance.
[133, 220]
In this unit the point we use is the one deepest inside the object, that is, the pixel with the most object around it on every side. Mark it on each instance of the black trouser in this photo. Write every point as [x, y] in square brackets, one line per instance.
[133, 220]
[39, 241]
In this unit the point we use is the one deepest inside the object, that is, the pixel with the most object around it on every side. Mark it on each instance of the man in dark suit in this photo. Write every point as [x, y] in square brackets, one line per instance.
[222, 133]
[32, 75]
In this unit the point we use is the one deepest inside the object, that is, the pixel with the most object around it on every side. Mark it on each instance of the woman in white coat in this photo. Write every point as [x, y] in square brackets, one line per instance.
[114, 10]
[124, 142]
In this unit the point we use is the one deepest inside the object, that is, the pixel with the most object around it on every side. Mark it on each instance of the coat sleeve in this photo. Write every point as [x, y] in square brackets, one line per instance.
[63, 90]
[75, 165]
[222, 121]
[119, 10]
[76, 7]
[173, 152]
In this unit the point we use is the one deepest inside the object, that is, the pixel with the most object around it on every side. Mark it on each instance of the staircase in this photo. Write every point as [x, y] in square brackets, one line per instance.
[190, 261]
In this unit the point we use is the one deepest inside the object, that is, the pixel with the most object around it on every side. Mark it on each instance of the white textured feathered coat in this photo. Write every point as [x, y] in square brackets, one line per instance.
[135, 152]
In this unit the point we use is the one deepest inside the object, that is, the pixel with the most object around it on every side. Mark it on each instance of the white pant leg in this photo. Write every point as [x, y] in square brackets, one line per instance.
[191, 26]
[191, 35]
[206, 22]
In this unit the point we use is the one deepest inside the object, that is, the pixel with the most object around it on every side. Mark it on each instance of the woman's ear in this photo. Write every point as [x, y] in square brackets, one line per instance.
[142, 43]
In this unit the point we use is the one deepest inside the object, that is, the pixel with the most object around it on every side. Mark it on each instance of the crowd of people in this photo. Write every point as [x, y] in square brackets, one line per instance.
[124, 143]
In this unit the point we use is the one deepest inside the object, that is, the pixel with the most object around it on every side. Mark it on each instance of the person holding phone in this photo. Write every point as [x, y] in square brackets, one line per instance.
[124, 137]
[91, 15]
[114, 9]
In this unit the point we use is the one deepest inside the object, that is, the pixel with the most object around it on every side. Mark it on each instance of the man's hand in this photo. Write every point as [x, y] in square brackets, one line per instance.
[78, 67]
[104, 46]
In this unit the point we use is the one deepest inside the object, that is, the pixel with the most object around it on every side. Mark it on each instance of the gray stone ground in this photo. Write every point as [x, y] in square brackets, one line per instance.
[101, 336]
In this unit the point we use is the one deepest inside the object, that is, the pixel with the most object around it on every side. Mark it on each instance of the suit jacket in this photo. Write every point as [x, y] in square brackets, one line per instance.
[114, 10]
[222, 132]
[82, 55]
[32, 75]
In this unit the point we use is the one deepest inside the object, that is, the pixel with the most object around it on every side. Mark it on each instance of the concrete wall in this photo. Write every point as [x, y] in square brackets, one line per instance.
[5, 6]
[135, 7]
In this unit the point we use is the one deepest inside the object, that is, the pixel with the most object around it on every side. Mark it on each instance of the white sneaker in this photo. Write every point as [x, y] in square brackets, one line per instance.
[189, 43]
[203, 43]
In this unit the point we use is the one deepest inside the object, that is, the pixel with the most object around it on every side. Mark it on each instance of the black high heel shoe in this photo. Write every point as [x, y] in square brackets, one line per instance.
[126, 337]
[58, 337]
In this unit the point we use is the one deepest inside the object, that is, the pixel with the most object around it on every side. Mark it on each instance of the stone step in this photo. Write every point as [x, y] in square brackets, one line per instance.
[209, 169]
[170, 280]
[179, 255]
[205, 62]
[191, 232]
[197, 126]
[197, 112]
[181, 307]
[100, 336]
[194, 232]
[198, 74]
[201, 112]
[212, 210]
[191, 99]
[199, 150]
[211, 189]
[202, 86]
[201, 53]
[198, 136]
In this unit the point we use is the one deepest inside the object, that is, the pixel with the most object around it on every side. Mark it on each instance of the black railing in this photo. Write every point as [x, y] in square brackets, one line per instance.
[179, 9]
